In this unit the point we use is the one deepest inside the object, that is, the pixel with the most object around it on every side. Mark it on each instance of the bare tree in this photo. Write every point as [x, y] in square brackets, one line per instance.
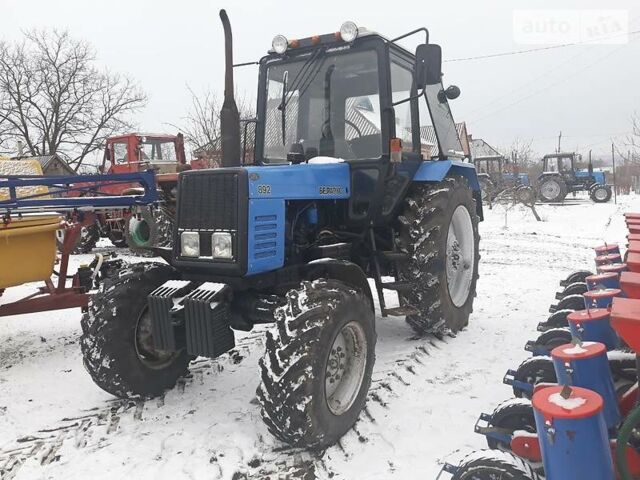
[629, 148]
[201, 125]
[54, 99]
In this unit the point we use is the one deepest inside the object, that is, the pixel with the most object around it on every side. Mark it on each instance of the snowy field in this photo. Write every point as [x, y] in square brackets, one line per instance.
[425, 398]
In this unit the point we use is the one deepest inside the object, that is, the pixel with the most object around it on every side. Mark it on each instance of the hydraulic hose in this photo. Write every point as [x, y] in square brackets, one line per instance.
[632, 420]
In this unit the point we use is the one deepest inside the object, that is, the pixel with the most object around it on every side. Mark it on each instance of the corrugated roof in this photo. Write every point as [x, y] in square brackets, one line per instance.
[428, 138]
[481, 149]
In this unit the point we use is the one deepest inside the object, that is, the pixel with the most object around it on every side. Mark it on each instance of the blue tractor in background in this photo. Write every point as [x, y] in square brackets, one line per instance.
[560, 176]
[338, 192]
[496, 174]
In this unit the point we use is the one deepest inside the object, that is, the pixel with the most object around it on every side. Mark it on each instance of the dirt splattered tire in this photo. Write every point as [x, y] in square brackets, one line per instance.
[533, 371]
[578, 276]
[554, 338]
[300, 393]
[557, 319]
[116, 344]
[494, 465]
[525, 195]
[600, 193]
[434, 216]
[577, 288]
[148, 228]
[511, 415]
[86, 241]
[570, 302]
[552, 189]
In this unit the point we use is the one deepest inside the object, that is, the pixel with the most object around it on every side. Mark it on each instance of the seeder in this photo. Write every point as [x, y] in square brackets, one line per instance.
[33, 210]
[581, 422]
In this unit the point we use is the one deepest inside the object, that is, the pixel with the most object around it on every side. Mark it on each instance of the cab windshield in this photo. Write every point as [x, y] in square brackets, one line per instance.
[323, 104]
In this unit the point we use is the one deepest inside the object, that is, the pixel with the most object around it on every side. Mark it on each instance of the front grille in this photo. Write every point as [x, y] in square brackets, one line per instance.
[208, 201]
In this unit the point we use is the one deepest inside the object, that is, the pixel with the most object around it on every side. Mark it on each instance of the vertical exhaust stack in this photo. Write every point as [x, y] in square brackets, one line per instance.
[229, 116]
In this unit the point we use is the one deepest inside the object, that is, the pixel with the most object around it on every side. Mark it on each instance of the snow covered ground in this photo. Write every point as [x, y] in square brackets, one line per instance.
[425, 398]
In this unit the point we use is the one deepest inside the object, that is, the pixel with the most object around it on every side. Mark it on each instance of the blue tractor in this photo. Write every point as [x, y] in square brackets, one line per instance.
[339, 192]
[494, 177]
[560, 177]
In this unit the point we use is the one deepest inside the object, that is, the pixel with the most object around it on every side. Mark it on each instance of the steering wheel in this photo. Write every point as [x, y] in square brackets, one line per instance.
[326, 124]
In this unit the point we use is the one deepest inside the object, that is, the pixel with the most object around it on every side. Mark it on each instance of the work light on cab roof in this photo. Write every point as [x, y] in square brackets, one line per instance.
[348, 33]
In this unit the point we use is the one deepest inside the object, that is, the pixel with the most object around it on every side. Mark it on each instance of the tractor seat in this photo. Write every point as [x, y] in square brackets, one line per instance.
[633, 262]
[625, 319]
[630, 284]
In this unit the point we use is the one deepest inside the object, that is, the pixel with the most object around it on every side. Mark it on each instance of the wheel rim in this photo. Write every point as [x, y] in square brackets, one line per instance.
[600, 193]
[145, 348]
[140, 231]
[460, 256]
[550, 190]
[345, 368]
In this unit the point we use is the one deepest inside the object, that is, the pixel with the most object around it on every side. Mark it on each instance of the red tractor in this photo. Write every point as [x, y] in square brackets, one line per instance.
[146, 226]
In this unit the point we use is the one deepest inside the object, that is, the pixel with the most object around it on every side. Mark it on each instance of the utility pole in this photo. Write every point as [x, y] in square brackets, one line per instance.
[613, 162]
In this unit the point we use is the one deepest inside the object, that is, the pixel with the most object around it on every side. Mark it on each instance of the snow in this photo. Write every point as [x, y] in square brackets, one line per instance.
[577, 348]
[570, 403]
[320, 160]
[425, 396]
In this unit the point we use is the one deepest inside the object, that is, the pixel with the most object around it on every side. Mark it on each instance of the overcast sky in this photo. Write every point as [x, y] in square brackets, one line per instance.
[589, 91]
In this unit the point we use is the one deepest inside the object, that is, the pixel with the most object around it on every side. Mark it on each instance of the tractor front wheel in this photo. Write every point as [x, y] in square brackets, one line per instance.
[117, 342]
[316, 370]
[439, 231]
[600, 193]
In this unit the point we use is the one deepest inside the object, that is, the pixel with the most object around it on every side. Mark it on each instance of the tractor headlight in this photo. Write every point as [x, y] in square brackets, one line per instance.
[190, 244]
[221, 245]
[348, 31]
[280, 44]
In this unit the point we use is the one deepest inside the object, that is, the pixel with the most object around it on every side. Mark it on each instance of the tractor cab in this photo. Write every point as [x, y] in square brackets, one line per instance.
[359, 99]
[137, 152]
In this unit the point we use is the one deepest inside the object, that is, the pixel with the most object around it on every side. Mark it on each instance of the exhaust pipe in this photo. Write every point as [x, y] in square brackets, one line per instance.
[229, 116]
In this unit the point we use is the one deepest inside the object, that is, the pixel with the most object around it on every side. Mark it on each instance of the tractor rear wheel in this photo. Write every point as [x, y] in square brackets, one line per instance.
[511, 415]
[552, 189]
[316, 370]
[117, 343]
[494, 465]
[439, 230]
[600, 193]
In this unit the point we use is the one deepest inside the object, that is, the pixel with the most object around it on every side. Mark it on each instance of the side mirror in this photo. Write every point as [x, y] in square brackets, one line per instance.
[452, 92]
[428, 65]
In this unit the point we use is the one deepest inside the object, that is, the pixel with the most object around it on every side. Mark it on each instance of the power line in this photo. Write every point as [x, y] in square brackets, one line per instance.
[539, 49]
[553, 84]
